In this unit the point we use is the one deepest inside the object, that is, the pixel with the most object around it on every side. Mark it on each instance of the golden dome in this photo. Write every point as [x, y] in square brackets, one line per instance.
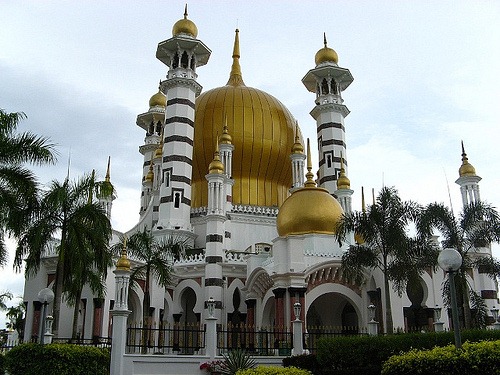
[309, 210]
[159, 99]
[343, 182]
[326, 54]
[216, 166]
[466, 169]
[123, 264]
[185, 26]
[225, 138]
[262, 135]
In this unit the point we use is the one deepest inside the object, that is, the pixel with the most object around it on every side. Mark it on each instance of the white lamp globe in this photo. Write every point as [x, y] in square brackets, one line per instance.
[449, 260]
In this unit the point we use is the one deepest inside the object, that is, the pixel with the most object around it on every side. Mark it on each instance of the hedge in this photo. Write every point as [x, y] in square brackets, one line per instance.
[60, 359]
[366, 354]
[273, 370]
[472, 359]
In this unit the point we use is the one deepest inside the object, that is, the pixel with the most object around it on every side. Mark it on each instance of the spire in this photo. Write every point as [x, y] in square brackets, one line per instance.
[309, 175]
[186, 11]
[373, 196]
[150, 175]
[466, 169]
[297, 147]
[324, 40]
[343, 182]
[108, 177]
[235, 77]
[225, 138]
[216, 166]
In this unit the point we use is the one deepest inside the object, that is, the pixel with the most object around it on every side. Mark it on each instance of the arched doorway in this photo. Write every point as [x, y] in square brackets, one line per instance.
[188, 323]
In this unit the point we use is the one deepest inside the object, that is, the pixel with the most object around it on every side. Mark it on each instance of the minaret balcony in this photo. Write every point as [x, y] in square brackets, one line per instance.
[182, 73]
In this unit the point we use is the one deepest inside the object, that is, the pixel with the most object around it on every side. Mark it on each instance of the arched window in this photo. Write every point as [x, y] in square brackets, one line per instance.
[184, 60]
[177, 200]
[325, 87]
[175, 63]
[329, 161]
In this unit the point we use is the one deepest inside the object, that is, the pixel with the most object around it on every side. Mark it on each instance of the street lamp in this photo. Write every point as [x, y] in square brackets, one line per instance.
[211, 307]
[45, 296]
[296, 310]
[450, 261]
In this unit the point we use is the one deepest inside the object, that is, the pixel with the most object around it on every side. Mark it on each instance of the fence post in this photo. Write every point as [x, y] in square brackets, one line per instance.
[211, 333]
[47, 335]
[298, 335]
[120, 313]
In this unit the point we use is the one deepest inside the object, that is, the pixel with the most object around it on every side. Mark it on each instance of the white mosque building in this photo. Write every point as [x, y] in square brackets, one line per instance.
[228, 170]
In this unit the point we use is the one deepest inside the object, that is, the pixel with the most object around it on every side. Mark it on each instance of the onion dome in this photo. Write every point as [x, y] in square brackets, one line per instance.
[158, 100]
[326, 54]
[262, 131]
[123, 264]
[225, 138]
[150, 176]
[466, 169]
[216, 166]
[297, 147]
[309, 209]
[185, 26]
[343, 182]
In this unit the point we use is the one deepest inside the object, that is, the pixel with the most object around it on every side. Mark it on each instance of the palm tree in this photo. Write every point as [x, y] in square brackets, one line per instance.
[477, 226]
[82, 227]
[15, 314]
[154, 257]
[17, 183]
[386, 245]
[5, 296]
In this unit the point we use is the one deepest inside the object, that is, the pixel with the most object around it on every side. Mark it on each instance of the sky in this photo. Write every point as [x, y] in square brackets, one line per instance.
[426, 76]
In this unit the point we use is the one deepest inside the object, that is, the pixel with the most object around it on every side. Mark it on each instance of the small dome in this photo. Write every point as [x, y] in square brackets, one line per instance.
[216, 166]
[309, 210]
[225, 138]
[123, 263]
[185, 26]
[297, 148]
[158, 100]
[150, 176]
[466, 169]
[326, 54]
[343, 181]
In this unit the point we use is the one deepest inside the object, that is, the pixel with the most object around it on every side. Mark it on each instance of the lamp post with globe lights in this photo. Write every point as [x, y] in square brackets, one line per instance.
[45, 296]
[450, 261]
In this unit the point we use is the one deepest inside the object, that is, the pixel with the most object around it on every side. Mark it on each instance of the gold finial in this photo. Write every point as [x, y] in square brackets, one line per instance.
[297, 147]
[343, 182]
[216, 166]
[309, 175]
[186, 11]
[235, 77]
[123, 263]
[159, 150]
[108, 177]
[466, 169]
[225, 138]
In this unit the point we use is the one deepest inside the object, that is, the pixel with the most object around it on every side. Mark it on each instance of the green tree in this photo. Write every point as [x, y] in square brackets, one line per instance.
[476, 227]
[153, 257]
[15, 315]
[82, 230]
[18, 184]
[5, 296]
[386, 245]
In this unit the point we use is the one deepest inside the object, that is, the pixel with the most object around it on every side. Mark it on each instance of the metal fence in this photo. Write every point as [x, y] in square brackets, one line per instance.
[99, 342]
[258, 341]
[177, 338]
[314, 333]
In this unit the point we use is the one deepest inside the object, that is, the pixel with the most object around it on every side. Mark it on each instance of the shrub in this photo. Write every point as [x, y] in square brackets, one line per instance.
[273, 370]
[365, 354]
[472, 359]
[60, 359]
[2, 363]
[236, 360]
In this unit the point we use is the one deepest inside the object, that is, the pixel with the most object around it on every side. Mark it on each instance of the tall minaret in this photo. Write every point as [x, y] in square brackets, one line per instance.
[328, 80]
[182, 53]
[298, 158]
[106, 192]
[226, 149]
[216, 217]
[468, 181]
[152, 122]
